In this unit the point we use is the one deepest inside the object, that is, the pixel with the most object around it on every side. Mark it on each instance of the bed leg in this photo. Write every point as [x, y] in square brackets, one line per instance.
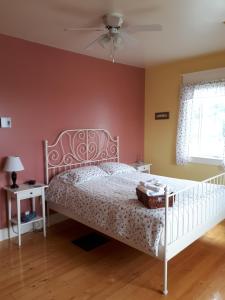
[165, 260]
[48, 215]
[165, 275]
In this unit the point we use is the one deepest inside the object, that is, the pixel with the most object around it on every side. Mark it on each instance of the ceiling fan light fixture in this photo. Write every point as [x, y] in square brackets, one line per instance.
[118, 41]
[105, 41]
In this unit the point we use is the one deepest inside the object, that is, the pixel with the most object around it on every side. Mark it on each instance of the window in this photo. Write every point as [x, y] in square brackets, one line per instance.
[207, 127]
[201, 125]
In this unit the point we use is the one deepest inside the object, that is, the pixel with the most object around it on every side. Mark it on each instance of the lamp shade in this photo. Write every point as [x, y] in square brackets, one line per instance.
[13, 164]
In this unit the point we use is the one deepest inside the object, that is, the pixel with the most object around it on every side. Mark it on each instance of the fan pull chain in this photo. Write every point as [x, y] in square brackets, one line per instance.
[113, 48]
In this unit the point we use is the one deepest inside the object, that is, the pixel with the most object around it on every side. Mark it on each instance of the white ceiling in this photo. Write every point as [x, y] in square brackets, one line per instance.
[190, 27]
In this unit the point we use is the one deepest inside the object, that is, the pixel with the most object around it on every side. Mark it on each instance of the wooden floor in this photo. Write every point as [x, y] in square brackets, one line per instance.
[56, 269]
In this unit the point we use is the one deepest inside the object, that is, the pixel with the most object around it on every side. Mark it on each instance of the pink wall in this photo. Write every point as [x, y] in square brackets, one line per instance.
[46, 90]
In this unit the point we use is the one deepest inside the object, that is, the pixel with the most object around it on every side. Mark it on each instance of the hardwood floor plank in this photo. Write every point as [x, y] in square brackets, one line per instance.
[55, 269]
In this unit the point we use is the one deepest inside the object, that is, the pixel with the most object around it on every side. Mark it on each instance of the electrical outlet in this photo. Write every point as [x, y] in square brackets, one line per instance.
[5, 122]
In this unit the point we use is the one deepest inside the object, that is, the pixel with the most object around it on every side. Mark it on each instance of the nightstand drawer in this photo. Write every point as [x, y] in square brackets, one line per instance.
[29, 193]
[144, 168]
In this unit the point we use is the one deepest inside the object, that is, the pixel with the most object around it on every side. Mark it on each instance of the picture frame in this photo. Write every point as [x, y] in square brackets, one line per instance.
[162, 115]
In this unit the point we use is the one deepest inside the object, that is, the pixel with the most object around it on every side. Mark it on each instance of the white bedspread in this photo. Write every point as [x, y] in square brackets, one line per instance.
[110, 203]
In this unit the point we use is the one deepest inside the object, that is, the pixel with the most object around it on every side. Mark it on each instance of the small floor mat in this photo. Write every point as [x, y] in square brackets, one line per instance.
[90, 241]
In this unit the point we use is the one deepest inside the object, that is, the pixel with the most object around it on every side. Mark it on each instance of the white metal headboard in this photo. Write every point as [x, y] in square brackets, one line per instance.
[79, 147]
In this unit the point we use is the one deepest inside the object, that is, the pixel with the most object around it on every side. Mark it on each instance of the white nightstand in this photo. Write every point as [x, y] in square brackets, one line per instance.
[25, 191]
[142, 167]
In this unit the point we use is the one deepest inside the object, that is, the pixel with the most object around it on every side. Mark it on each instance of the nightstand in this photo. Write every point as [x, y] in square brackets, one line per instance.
[142, 167]
[25, 191]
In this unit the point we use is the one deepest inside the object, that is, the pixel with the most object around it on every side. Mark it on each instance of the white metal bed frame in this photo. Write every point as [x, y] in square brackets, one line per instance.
[82, 147]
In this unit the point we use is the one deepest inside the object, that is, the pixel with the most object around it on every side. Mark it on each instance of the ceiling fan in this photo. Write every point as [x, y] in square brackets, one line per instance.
[114, 32]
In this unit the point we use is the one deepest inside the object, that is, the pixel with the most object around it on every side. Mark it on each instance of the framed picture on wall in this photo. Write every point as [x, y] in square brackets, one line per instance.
[162, 115]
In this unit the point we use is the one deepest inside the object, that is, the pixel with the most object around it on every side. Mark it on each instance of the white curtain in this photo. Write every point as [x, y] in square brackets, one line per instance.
[188, 93]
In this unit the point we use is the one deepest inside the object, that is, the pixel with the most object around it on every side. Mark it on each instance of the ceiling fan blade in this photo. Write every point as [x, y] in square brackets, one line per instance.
[85, 29]
[127, 38]
[95, 41]
[151, 27]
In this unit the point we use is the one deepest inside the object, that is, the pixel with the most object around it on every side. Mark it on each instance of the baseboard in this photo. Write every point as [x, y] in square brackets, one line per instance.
[54, 219]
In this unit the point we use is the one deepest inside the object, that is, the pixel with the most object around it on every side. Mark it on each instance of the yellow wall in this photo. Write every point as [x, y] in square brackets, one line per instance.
[162, 94]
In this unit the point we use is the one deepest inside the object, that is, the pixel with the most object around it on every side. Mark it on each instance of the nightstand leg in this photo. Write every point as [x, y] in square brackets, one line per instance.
[9, 213]
[18, 221]
[43, 213]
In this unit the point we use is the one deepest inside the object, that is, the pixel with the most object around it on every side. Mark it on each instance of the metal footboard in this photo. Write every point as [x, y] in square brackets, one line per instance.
[195, 210]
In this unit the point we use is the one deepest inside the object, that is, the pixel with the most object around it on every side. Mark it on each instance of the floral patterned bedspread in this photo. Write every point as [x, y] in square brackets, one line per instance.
[110, 203]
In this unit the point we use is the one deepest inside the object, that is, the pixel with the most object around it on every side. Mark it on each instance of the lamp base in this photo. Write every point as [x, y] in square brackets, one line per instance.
[14, 177]
[14, 186]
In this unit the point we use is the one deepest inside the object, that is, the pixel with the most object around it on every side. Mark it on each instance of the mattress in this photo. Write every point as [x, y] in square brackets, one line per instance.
[110, 204]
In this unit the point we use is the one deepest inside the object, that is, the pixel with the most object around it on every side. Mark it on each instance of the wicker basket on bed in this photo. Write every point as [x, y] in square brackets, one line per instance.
[153, 201]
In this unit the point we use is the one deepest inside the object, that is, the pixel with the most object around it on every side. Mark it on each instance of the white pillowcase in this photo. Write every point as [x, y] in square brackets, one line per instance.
[82, 174]
[113, 168]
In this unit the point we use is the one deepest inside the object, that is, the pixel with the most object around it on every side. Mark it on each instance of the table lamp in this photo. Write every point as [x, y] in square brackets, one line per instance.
[13, 164]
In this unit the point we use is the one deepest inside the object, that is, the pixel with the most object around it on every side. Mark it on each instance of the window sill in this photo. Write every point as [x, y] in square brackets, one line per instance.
[206, 161]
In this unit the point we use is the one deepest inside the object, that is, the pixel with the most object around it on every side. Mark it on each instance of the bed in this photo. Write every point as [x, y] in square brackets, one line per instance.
[108, 203]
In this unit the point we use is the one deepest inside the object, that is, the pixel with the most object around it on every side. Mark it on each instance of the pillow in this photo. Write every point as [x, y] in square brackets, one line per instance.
[82, 174]
[113, 168]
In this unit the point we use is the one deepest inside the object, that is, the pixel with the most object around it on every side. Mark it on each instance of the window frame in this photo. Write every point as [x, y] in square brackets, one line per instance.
[206, 160]
[189, 80]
